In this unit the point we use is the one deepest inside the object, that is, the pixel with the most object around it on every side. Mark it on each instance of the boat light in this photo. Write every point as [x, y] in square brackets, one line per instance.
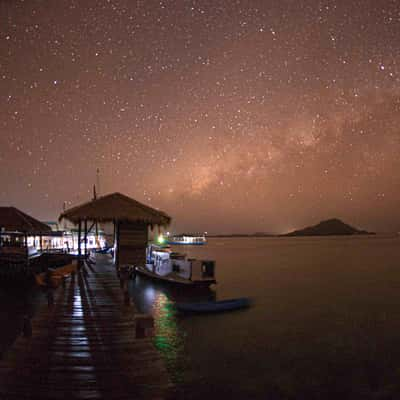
[161, 239]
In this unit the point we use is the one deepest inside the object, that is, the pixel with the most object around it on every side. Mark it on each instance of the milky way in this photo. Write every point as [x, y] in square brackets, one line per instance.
[232, 116]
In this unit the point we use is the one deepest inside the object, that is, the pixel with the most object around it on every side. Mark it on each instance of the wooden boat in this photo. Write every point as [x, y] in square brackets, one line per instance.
[106, 250]
[16, 269]
[214, 306]
[174, 278]
[54, 277]
[101, 255]
[170, 267]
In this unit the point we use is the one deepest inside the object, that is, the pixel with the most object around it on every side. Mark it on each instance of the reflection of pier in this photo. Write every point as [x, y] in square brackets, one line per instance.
[84, 347]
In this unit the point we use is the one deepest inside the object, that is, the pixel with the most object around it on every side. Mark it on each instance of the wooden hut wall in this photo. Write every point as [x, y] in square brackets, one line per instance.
[132, 244]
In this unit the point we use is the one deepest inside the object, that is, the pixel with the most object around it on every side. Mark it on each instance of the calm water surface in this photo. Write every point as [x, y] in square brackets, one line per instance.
[325, 321]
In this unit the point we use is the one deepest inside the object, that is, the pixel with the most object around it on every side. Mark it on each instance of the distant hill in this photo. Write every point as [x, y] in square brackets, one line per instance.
[329, 227]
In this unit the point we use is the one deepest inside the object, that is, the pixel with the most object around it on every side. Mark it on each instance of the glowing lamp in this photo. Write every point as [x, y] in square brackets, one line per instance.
[161, 239]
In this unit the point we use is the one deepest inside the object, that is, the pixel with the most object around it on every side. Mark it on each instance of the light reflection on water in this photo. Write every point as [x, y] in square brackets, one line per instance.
[170, 334]
[168, 339]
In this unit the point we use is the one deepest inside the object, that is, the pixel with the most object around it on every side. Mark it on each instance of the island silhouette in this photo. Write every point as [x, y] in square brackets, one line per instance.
[329, 227]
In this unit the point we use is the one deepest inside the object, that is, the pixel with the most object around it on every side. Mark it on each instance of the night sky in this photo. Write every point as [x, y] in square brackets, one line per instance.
[232, 116]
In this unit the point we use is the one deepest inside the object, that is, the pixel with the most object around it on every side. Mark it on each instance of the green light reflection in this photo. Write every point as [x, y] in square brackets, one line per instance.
[169, 339]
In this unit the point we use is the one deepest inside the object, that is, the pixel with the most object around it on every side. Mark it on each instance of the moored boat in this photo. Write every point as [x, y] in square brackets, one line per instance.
[101, 255]
[53, 277]
[162, 264]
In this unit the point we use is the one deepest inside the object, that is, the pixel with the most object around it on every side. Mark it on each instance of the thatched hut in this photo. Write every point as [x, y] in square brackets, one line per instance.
[16, 225]
[131, 220]
[14, 220]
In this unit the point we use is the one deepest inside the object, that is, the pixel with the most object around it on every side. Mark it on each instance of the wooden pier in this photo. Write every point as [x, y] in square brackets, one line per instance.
[84, 347]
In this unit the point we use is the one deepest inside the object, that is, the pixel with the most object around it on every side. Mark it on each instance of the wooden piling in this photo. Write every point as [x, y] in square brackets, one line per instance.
[85, 237]
[79, 243]
[27, 327]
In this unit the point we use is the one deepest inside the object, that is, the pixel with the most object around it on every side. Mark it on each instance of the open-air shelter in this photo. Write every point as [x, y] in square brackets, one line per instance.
[131, 220]
[15, 224]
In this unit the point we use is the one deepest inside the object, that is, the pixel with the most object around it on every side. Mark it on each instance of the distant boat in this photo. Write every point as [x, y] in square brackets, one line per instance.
[214, 306]
[167, 266]
[187, 239]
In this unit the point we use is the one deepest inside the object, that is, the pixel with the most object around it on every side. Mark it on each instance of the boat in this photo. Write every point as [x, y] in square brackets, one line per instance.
[214, 306]
[187, 239]
[164, 265]
[101, 255]
[54, 276]
[106, 250]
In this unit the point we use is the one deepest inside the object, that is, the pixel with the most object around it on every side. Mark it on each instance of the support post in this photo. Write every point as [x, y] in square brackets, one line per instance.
[41, 243]
[144, 324]
[50, 293]
[97, 235]
[91, 227]
[26, 246]
[124, 282]
[117, 244]
[27, 327]
[79, 243]
[85, 238]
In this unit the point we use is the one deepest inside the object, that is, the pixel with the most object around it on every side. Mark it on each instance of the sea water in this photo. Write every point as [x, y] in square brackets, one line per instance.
[324, 324]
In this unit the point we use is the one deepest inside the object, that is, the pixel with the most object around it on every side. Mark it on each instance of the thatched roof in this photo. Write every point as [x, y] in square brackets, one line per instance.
[116, 207]
[14, 220]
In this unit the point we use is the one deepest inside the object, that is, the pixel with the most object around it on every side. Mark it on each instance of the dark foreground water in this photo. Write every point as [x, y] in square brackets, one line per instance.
[325, 323]
[15, 304]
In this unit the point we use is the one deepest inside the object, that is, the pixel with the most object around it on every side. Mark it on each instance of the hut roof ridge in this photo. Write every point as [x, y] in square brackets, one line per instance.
[116, 206]
[13, 219]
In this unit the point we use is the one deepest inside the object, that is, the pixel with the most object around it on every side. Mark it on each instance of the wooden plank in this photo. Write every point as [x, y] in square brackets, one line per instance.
[84, 347]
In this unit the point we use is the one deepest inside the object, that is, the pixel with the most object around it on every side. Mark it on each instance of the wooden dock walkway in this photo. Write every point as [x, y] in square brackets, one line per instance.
[84, 347]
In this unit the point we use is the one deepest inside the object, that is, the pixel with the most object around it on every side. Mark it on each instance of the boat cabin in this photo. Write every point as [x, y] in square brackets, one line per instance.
[161, 261]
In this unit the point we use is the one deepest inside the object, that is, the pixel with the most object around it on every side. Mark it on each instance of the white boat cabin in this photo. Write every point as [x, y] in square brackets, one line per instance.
[163, 262]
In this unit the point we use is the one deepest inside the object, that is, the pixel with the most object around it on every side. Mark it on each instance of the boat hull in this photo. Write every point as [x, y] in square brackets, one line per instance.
[175, 280]
[214, 306]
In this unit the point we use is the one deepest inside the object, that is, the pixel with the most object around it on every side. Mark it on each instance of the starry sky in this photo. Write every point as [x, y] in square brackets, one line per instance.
[232, 116]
